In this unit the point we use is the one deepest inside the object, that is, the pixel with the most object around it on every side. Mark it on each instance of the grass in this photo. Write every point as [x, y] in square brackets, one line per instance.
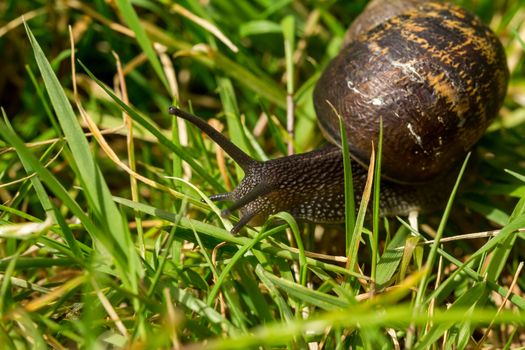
[104, 239]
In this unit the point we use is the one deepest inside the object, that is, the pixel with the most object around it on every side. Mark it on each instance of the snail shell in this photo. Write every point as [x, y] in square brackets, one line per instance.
[435, 75]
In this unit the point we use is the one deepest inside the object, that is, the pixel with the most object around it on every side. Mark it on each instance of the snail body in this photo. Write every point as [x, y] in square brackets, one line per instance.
[436, 77]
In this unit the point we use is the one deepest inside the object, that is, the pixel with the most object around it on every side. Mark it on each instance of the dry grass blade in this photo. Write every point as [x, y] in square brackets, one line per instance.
[20, 20]
[25, 178]
[463, 237]
[206, 25]
[109, 308]
[54, 294]
[114, 157]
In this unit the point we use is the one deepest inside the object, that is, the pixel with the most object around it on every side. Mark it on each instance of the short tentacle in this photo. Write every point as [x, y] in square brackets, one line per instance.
[258, 191]
[242, 222]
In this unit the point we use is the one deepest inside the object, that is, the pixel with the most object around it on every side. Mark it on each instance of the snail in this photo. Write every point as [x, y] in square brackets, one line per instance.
[431, 71]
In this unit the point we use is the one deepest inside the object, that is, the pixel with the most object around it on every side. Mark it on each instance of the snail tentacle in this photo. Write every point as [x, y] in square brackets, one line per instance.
[258, 191]
[240, 157]
[245, 219]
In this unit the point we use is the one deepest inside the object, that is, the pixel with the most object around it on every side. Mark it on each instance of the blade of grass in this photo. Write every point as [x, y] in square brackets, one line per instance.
[231, 111]
[234, 260]
[148, 125]
[94, 185]
[356, 316]
[433, 251]
[499, 258]
[130, 144]
[474, 297]
[187, 299]
[288, 28]
[49, 207]
[284, 308]
[422, 289]
[167, 249]
[214, 59]
[30, 330]
[448, 286]
[514, 298]
[350, 219]
[5, 298]
[56, 187]
[299, 241]
[229, 292]
[259, 27]
[253, 296]
[223, 235]
[375, 215]
[391, 258]
[358, 228]
[312, 297]
[210, 27]
[129, 14]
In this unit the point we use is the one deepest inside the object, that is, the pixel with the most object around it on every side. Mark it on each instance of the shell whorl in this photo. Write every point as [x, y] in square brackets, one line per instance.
[376, 12]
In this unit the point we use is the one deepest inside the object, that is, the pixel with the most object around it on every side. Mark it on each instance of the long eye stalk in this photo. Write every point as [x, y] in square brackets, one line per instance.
[240, 157]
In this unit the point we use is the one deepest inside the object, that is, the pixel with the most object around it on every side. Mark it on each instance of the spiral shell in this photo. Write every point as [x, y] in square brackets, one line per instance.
[433, 73]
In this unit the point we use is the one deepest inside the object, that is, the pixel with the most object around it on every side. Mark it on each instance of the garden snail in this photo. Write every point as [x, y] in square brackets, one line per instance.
[435, 75]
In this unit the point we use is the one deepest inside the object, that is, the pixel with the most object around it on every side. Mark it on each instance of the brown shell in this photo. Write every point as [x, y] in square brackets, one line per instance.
[437, 77]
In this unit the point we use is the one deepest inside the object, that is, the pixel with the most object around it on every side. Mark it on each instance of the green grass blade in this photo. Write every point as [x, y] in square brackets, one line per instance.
[228, 268]
[358, 316]
[299, 241]
[504, 234]
[312, 297]
[223, 235]
[148, 125]
[350, 219]
[56, 187]
[474, 297]
[129, 14]
[499, 258]
[187, 299]
[95, 187]
[30, 330]
[255, 299]
[231, 111]
[259, 27]
[288, 28]
[422, 289]
[48, 206]
[375, 214]
[433, 251]
[391, 258]
[450, 285]
[277, 298]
